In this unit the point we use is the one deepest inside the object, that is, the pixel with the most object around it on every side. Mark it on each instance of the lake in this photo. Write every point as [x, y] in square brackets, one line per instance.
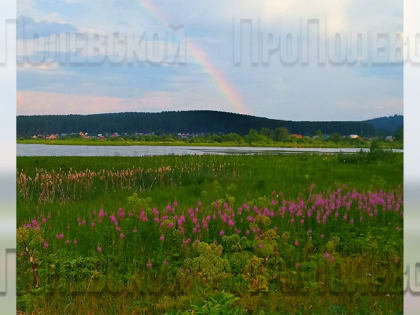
[83, 150]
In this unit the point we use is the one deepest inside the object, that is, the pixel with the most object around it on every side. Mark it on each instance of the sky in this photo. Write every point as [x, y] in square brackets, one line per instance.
[99, 56]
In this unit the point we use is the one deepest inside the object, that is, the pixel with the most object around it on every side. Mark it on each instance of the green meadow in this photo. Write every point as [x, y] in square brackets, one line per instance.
[254, 234]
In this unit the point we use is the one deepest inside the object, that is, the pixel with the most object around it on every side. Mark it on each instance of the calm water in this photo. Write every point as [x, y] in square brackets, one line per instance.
[81, 150]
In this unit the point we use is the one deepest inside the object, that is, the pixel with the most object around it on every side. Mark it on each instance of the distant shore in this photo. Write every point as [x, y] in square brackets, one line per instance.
[123, 142]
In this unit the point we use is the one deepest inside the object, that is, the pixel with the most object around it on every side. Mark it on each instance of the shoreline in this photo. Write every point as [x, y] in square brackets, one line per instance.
[293, 145]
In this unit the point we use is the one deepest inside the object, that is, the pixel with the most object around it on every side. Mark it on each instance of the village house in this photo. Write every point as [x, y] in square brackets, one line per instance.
[299, 136]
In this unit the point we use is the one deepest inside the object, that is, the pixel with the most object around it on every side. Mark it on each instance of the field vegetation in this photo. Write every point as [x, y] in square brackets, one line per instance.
[263, 234]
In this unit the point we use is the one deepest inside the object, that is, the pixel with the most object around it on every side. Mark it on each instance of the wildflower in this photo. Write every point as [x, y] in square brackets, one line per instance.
[326, 255]
[122, 235]
[296, 243]
[67, 242]
[92, 224]
[260, 245]
[99, 248]
[322, 235]
[297, 265]
[101, 213]
[134, 230]
[222, 233]
[45, 245]
[149, 264]
[75, 242]
[113, 219]
[162, 238]
[44, 220]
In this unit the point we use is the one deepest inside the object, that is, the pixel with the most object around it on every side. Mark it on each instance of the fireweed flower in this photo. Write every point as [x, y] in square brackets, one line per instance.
[45, 245]
[112, 218]
[135, 231]
[75, 242]
[162, 238]
[122, 235]
[222, 233]
[296, 243]
[149, 264]
[99, 248]
[326, 255]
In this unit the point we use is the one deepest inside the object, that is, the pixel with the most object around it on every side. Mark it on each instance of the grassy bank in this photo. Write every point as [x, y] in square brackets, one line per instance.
[237, 234]
[310, 143]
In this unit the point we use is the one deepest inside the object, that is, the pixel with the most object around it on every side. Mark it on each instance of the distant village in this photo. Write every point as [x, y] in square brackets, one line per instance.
[115, 135]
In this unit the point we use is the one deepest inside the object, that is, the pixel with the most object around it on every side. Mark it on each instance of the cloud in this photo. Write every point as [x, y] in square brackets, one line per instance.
[43, 67]
[28, 28]
[40, 103]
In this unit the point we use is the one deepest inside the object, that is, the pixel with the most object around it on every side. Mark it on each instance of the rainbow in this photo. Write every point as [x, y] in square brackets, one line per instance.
[201, 58]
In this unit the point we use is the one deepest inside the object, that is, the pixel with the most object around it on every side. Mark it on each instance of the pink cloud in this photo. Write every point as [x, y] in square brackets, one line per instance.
[40, 103]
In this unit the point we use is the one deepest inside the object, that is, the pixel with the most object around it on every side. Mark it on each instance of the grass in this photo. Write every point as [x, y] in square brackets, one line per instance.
[262, 271]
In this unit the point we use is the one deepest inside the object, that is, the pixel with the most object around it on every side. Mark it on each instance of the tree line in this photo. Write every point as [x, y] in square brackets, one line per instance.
[197, 122]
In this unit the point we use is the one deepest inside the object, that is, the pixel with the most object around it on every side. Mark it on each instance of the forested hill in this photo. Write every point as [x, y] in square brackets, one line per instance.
[387, 125]
[178, 122]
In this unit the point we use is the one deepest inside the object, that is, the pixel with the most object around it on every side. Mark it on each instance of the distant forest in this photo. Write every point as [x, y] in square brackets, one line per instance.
[187, 122]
